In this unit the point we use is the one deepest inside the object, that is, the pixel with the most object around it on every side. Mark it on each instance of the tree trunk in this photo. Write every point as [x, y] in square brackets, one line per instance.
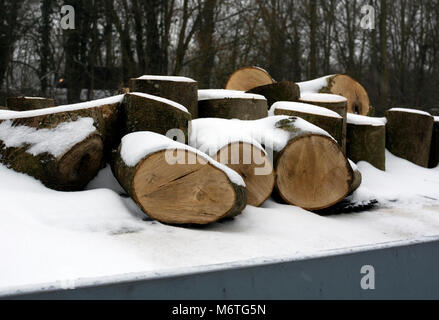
[28, 103]
[434, 153]
[409, 134]
[248, 78]
[366, 141]
[279, 91]
[181, 90]
[177, 193]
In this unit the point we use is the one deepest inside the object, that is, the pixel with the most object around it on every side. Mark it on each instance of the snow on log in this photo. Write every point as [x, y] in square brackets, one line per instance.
[343, 85]
[176, 184]
[28, 103]
[279, 91]
[324, 118]
[144, 112]
[231, 104]
[179, 89]
[409, 134]
[248, 78]
[366, 140]
[434, 152]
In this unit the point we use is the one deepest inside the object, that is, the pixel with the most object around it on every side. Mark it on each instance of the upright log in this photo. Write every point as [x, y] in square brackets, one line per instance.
[366, 140]
[279, 91]
[409, 134]
[176, 184]
[179, 89]
[248, 78]
[434, 153]
[28, 103]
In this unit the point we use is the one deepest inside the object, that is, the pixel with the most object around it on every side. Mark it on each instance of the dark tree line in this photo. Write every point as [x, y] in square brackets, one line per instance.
[114, 40]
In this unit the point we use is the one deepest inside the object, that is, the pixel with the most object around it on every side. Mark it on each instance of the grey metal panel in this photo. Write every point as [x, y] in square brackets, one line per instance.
[402, 272]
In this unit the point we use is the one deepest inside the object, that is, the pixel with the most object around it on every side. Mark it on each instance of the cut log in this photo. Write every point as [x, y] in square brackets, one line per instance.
[358, 177]
[176, 184]
[279, 91]
[248, 78]
[179, 89]
[434, 153]
[230, 104]
[366, 140]
[408, 134]
[28, 103]
[143, 112]
[343, 85]
[324, 118]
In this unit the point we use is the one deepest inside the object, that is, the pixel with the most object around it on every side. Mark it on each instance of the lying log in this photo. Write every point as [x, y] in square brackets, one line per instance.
[409, 133]
[434, 153]
[358, 177]
[279, 91]
[179, 89]
[28, 103]
[343, 85]
[248, 78]
[231, 104]
[324, 118]
[366, 140]
[143, 112]
[176, 184]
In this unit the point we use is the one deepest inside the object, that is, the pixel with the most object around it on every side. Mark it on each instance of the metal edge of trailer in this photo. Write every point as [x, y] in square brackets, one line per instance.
[399, 270]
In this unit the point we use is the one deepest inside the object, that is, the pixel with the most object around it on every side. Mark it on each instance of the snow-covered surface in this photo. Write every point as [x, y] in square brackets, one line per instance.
[436, 119]
[55, 237]
[303, 107]
[364, 120]
[4, 114]
[166, 78]
[215, 94]
[321, 97]
[139, 145]
[314, 86]
[210, 135]
[163, 100]
[409, 111]
[54, 141]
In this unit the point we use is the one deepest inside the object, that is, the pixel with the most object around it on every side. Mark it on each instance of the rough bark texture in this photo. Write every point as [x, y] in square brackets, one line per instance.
[185, 93]
[408, 136]
[367, 143]
[28, 103]
[434, 152]
[243, 109]
[279, 91]
[144, 114]
[334, 126]
[248, 78]
[163, 194]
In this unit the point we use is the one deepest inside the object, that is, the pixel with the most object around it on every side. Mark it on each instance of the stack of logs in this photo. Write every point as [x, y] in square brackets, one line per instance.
[313, 127]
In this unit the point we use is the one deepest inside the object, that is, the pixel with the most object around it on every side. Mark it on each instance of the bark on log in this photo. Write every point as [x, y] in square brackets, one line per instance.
[178, 193]
[366, 141]
[233, 108]
[179, 89]
[248, 78]
[147, 113]
[28, 103]
[434, 152]
[408, 135]
[343, 85]
[279, 91]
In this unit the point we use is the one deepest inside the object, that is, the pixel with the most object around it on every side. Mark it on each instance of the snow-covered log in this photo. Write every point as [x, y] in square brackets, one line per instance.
[231, 104]
[248, 78]
[339, 84]
[409, 133]
[176, 184]
[144, 112]
[358, 177]
[366, 140]
[324, 118]
[179, 89]
[279, 91]
[28, 103]
[434, 153]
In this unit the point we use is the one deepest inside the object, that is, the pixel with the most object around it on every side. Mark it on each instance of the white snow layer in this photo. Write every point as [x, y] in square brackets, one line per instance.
[410, 111]
[212, 94]
[303, 107]
[321, 97]
[314, 86]
[364, 120]
[210, 135]
[56, 237]
[162, 100]
[54, 141]
[139, 145]
[166, 78]
[436, 119]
